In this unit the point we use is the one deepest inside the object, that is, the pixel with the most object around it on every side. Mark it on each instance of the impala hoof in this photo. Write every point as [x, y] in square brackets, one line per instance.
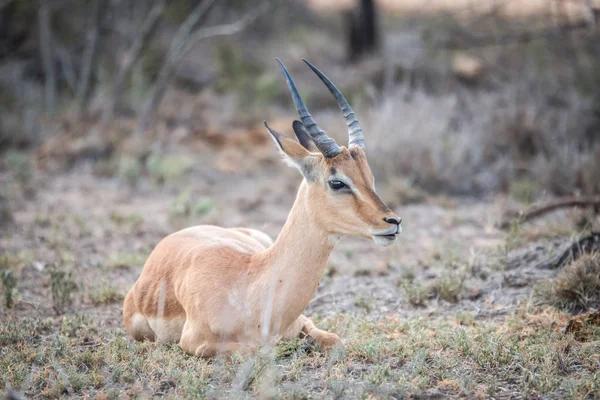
[325, 340]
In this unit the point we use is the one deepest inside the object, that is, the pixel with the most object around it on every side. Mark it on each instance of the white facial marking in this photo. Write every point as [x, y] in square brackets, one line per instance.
[347, 181]
[383, 240]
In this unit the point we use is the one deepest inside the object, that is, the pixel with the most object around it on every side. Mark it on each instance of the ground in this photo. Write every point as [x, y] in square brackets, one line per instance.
[446, 312]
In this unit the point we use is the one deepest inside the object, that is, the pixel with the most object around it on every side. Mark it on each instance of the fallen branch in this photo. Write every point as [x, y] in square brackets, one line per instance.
[584, 245]
[551, 254]
[536, 212]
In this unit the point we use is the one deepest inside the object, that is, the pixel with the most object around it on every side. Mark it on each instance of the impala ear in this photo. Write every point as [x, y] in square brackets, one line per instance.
[294, 154]
[303, 136]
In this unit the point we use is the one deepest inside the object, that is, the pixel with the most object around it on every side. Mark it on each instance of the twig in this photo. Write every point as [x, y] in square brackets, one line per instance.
[89, 55]
[171, 60]
[225, 29]
[536, 212]
[46, 54]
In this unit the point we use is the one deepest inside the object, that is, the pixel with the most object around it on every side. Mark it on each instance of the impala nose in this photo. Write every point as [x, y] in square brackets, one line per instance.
[394, 221]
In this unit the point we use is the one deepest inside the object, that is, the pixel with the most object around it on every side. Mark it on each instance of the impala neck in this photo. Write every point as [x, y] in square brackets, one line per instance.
[294, 264]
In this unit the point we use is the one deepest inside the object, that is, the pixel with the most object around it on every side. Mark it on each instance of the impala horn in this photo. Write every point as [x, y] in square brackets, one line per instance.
[324, 143]
[355, 136]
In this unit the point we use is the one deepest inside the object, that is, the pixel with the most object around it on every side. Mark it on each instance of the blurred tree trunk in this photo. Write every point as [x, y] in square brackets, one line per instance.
[92, 41]
[362, 30]
[9, 40]
[171, 60]
[183, 43]
[46, 54]
[144, 32]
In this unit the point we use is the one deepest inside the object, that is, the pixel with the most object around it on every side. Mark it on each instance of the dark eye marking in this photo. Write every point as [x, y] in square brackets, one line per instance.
[336, 185]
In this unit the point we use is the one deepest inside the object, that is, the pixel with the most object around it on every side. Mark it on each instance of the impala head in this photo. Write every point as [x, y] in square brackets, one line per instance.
[340, 184]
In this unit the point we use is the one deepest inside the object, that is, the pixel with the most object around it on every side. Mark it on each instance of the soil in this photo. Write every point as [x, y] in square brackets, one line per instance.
[71, 216]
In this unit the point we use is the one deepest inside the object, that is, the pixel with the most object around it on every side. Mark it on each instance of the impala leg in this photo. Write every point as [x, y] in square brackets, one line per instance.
[304, 326]
[211, 349]
[202, 343]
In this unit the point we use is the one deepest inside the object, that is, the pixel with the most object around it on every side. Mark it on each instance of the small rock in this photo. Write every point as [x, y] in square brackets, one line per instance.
[467, 67]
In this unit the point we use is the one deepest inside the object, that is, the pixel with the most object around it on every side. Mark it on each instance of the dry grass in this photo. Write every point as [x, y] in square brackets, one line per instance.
[577, 286]
[390, 358]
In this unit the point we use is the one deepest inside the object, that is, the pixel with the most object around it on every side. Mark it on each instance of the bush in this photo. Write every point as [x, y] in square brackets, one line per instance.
[485, 141]
[577, 287]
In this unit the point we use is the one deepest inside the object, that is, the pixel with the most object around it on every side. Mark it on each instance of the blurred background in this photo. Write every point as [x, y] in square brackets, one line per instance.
[460, 97]
[122, 121]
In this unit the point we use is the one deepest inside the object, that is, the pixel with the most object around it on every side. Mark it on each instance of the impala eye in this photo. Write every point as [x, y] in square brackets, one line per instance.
[337, 185]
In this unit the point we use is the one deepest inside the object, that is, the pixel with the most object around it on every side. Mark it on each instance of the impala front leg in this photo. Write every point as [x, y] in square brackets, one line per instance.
[305, 327]
[197, 340]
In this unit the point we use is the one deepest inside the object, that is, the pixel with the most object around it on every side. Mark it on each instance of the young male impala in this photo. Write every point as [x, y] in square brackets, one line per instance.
[218, 289]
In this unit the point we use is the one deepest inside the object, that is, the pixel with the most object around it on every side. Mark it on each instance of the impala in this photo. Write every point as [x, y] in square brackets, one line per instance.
[214, 289]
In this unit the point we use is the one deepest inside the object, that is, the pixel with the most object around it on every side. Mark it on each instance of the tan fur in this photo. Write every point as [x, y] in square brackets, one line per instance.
[215, 290]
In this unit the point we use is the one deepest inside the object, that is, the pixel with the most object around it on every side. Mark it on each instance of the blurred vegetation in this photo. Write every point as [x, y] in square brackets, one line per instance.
[62, 287]
[9, 282]
[487, 103]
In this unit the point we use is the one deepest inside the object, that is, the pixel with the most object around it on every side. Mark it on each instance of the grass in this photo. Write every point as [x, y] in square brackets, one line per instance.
[169, 167]
[129, 168]
[62, 287]
[132, 220]
[186, 205]
[388, 358]
[416, 292]
[449, 286]
[126, 260]
[577, 286]
[105, 294]
[18, 162]
[9, 282]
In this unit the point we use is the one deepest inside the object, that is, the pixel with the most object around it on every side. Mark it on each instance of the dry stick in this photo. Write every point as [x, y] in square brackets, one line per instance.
[225, 29]
[181, 48]
[171, 60]
[89, 56]
[592, 201]
[133, 54]
[46, 54]
[581, 246]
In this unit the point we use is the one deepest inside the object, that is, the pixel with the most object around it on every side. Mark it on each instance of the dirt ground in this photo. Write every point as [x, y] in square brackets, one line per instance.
[451, 271]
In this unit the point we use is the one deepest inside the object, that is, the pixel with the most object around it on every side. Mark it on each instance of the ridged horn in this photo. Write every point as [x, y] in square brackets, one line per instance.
[355, 135]
[324, 143]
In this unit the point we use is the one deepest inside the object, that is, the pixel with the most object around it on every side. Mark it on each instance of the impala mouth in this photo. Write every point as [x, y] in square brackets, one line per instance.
[387, 237]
